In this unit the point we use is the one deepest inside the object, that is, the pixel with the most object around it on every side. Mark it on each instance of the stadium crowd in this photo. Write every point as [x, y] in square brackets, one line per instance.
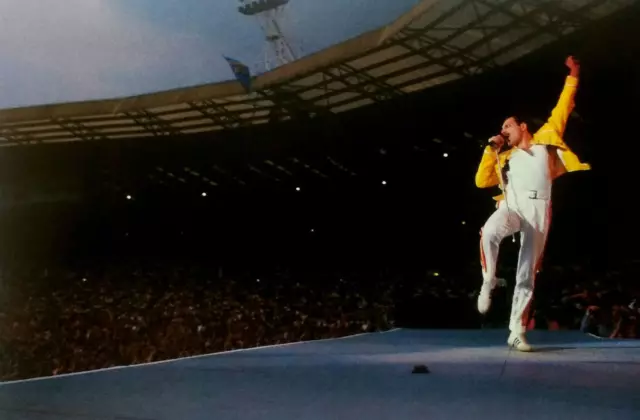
[54, 322]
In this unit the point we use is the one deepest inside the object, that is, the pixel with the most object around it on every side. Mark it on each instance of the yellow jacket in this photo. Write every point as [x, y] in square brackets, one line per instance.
[550, 135]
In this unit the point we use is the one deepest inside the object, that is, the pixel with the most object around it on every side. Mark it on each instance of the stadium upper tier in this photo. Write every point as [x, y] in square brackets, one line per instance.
[435, 42]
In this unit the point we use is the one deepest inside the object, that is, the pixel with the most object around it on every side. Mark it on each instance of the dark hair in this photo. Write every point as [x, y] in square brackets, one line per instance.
[533, 124]
[520, 119]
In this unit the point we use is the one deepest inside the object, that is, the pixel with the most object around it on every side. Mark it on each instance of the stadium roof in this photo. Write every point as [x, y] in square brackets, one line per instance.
[436, 42]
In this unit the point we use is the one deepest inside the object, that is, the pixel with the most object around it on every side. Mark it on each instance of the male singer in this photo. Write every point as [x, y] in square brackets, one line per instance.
[525, 173]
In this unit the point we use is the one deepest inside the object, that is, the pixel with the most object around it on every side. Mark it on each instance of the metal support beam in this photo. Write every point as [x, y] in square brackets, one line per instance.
[226, 173]
[218, 113]
[263, 174]
[440, 43]
[79, 130]
[497, 53]
[17, 138]
[475, 45]
[362, 83]
[287, 103]
[153, 123]
[434, 56]
[526, 18]
[308, 167]
[395, 41]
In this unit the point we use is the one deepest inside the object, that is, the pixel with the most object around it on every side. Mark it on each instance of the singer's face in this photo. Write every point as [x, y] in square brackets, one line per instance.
[512, 131]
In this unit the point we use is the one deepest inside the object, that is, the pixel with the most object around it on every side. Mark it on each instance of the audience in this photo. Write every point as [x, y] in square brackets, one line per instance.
[55, 322]
[82, 321]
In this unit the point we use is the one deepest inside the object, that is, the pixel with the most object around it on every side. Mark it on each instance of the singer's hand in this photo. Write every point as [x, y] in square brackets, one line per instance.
[496, 142]
[574, 65]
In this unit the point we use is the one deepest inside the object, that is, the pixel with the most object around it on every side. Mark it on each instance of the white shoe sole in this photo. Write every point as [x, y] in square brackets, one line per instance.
[520, 345]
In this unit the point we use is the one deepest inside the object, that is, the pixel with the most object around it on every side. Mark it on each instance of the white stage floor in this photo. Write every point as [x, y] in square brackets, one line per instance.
[473, 376]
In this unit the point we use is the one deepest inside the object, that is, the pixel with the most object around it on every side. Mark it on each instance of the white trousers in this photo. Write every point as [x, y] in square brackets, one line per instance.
[530, 217]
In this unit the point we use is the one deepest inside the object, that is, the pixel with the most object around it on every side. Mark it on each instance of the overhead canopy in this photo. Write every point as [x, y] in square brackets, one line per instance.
[436, 42]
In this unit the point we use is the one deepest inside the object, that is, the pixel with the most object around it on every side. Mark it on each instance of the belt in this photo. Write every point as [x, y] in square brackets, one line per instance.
[532, 194]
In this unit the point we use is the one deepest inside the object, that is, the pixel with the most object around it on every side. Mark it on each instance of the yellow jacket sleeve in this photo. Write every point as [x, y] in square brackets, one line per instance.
[560, 114]
[551, 133]
[486, 175]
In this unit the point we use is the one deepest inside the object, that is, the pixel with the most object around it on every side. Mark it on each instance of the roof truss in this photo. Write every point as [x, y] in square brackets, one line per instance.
[434, 43]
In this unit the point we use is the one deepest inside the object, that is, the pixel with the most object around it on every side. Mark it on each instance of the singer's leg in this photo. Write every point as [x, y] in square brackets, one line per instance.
[502, 223]
[535, 227]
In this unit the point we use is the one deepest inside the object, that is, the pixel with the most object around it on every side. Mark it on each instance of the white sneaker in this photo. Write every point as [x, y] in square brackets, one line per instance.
[519, 342]
[484, 298]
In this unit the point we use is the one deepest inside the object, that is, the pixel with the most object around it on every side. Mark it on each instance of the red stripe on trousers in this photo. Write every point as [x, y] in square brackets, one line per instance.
[483, 260]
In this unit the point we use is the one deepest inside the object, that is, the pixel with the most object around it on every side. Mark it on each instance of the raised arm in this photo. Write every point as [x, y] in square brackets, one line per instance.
[565, 105]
